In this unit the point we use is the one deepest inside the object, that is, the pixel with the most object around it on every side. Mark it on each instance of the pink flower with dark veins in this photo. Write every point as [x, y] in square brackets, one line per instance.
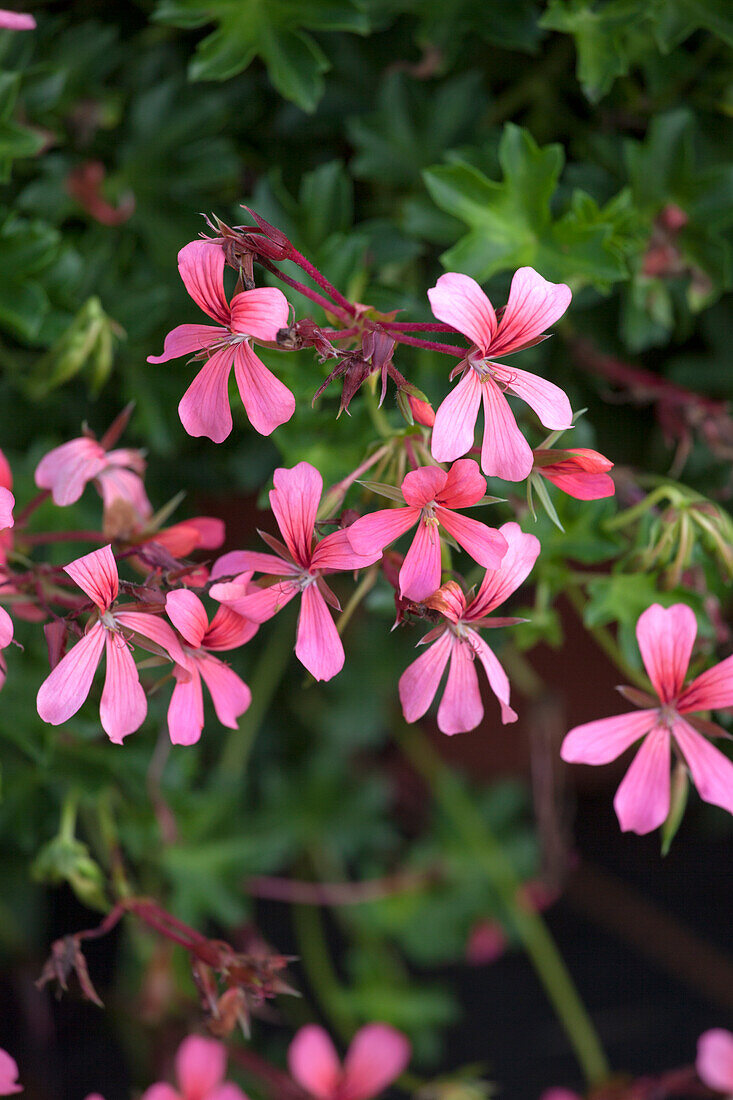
[457, 640]
[666, 637]
[200, 1068]
[253, 314]
[715, 1060]
[302, 567]
[533, 305]
[117, 475]
[378, 1054]
[431, 497]
[124, 705]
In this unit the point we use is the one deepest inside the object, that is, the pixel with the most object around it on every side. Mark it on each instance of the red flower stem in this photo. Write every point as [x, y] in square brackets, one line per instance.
[340, 333]
[318, 299]
[322, 282]
[428, 345]
[297, 892]
[22, 518]
[419, 326]
[65, 536]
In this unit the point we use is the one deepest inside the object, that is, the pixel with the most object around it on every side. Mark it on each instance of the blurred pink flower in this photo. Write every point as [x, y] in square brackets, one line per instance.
[253, 314]
[457, 640]
[123, 706]
[200, 1068]
[533, 305]
[16, 20]
[230, 695]
[486, 943]
[560, 1094]
[294, 500]
[431, 495]
[116, 474]
[7, 503]
[8, 1075]
[580, 472]
[715, 1060]
[378, 1054]
[6, 637]
[642, 801]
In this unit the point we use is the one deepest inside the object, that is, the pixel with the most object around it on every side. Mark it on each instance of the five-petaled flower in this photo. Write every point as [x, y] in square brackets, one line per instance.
[294, 501]
[253, 314]
[666, 638]
[378, 1054]
[534, 304]
[714, 1061]
[579, 472]
[457, 640]
[117, 475]
[200, 1068]
[431, 496]
[123, 705]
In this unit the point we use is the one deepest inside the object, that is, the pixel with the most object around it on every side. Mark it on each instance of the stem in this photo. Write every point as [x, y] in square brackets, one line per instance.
[536, 939]
[321, 280]
[364, 586]
[420, 326]
[22, 518]
[428, 345]
[306, 291]
[333, 894]
[64, 536]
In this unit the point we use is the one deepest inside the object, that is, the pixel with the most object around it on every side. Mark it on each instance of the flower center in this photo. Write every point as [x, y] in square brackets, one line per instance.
[427, 513]
[486, 370]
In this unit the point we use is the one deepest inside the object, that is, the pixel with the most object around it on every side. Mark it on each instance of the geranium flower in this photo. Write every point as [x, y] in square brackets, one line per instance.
[6, 637]
[534, 304]
[294, 501]
[665, 637]
[457, 640]
[378, 1054]
[714, 1062]
[230, 695]
[117, 475]
[253, 314]
[123, 706]
[579, 472]
[7, 503]
[8, 1075]
[200, 1068]
[16, 20]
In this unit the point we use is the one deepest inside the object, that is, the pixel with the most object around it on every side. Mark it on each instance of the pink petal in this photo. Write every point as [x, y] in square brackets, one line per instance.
[65, 689]
[153, 627]
[420, 680]
[461, 708]
[711, 770]
[549, 402]
[666, 637]
[6, 629]
[258, 605]
[186, 708]
[377, 1056]
[534, 304]
[267, 401]
[7, 503]
[602, 741]
[455, 421]
[117, 484]
[16, 21]
[229, 630]
[642, 800]
[260, 313]
[497, 677]
[211, 531]
[505, 453]
[318, 646]
[560, 1094]
[313, 1062]
[715, 1059]
[711, 690]
[123, 705]
[8, 1066]
[227, 1091]
[200, 1065]
[464, 485]
[459, 301]
[188, 615]
[230, 695]
[423, 485]
[160, 1091]
[294, 500]
[486, 545]
[252, 561]
[204, 408]
[580, 485]
[6, 474]
[516, 565]
[420, 572]
[335, 554]
[188, 340]
[372, 533]
[201, 265]
[96, 574]
[67, 469]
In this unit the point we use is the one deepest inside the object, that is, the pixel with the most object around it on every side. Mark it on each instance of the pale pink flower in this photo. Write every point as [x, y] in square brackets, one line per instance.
[67, 469]
[16, 20]
[294, 501]
[200, 1068]
[8, 1075]
[6, 637]
[253, 314]
[21, 610]
[715, 1060]
[123, 706]
[7, 503]
[431, 496]
[579, 472]
[457, 640]
[533, 305]
[378, 1054]
[666, 638]
[230, 695]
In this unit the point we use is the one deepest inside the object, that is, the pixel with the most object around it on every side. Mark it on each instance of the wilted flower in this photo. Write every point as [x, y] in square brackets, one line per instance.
[378, 1054]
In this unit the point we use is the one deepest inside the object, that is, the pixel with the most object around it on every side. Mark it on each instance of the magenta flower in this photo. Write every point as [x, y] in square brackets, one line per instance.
[123, 706]
[378, 1054]
[6, 637]
[642, 801]
[253, 314]
[230, 695]
[457, 640]
[294, 500]
[200, 1068]
[16, 20]
[7, 503]
[533, 305]
[8, 1075]
[715, 1060]
[431, 496]
[116, 474]
[581, 472]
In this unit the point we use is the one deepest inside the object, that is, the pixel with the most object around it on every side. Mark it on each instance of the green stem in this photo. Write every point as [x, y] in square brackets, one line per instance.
[530, 927]
[69, 809]
[319, 969]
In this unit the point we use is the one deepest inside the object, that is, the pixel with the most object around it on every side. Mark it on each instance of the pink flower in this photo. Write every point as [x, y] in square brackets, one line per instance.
[6, 637]
[294, 500]
[642, 801]
[579, 472]
[197, 533]
[431, 495]
[456, 640]
[560, 1094]
[7, 503]
[533, 305]
[230, 695]
[200, 1068]
[123, 705]
[486, 943]
[8, 1075]
[422, 411]
[715, 1060]
[253, 314]
[377, 1056]
[116, 474]
[16, 21]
